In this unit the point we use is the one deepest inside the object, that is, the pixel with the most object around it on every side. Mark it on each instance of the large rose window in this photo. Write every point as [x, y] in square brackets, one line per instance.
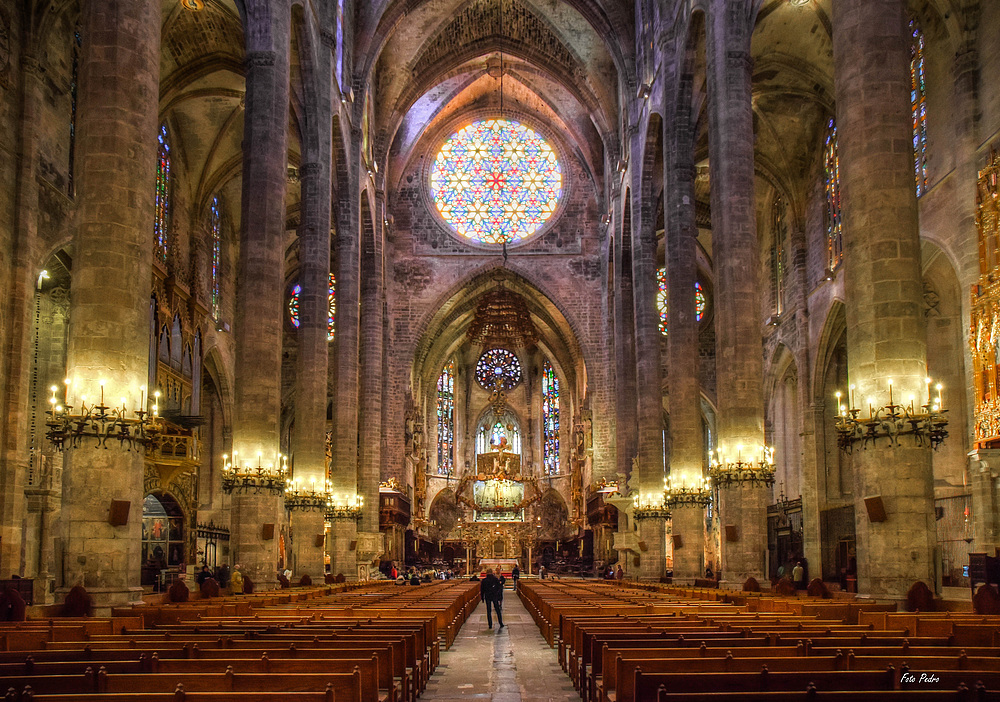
[496, 181]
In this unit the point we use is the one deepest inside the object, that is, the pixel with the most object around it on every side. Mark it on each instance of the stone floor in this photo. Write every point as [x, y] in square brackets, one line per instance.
[513, 664]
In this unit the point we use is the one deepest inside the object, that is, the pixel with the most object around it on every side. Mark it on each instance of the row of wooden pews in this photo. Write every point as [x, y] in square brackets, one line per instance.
[621, 642]
[373, 643]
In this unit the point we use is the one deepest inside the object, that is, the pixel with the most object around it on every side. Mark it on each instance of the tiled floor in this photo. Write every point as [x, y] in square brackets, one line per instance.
[513, 664]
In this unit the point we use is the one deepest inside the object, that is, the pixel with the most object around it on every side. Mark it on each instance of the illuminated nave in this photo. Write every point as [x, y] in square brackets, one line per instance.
[671, 293]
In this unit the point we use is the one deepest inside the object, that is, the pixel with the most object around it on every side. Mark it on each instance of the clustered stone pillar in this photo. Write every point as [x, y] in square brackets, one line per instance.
[309, 437]
[372, 335]
[112, 270]
[649, 405]
[259, 293]
[739, 348]
[16, 357]
[344, 471]
[313, 362]
[623, 334]
[686, 451]
[883, 284]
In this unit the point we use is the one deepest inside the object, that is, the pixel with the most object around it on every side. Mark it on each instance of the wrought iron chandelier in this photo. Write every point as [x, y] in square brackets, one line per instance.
[502, 320]
[139, 429]
[889, 422]
[651, 505]
[727, 473]
[686, 495]
[297, 497]
[249, 477]
[344, 507]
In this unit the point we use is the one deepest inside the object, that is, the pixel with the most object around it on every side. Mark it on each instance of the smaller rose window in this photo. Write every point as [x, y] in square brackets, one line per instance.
[498, 363]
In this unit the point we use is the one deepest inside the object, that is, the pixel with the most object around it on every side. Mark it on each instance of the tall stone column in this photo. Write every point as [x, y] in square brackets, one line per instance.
[813, 490]
[309, 437]
[372, 350]
[112, 274]
[623, 333]
[886, 334]
[259, 292]
[313, 362]
[648, 393]
[16, 347]
[686, 450]
[739, 350]
[344, 472]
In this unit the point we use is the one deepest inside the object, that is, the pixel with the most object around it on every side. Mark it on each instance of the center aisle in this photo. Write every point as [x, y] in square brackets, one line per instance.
[513, 664]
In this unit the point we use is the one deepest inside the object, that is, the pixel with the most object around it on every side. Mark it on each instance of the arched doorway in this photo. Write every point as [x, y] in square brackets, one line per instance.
[163, 537]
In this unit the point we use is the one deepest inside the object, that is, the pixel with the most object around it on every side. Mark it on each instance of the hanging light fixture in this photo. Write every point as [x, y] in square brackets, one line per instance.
[681, 494]
[502, 321]
[243, 475]
[69, 427]
[926, 424]
[728, 473]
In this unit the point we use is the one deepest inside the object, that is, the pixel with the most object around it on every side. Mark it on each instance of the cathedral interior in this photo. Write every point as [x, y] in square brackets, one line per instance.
[686, 289]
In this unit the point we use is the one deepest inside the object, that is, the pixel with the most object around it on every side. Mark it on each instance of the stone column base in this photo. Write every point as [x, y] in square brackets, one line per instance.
[370, 545]
[688, 531]
[342, 545]
[652, 548]
[307, 546]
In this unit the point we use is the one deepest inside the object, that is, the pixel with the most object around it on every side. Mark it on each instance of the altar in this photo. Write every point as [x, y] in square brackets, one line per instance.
[500, 566]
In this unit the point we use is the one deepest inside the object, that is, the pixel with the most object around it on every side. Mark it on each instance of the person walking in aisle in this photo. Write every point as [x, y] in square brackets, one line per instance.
[491, 592]
[515, 574]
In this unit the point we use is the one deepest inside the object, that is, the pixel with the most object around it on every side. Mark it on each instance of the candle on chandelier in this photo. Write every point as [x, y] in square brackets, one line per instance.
[927, 382]
[890, 391]
[852, 396]
[837, 395]
[101, 383]
[940, 402]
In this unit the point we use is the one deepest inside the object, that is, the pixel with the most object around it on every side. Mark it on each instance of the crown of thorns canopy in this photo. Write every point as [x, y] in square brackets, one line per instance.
[502, 321]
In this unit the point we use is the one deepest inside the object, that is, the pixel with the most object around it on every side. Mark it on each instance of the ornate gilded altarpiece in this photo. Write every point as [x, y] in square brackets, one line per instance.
[984, 329]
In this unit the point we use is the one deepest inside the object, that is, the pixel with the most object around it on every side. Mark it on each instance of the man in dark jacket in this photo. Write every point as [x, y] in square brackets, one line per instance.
[491, 592]
[515, 574]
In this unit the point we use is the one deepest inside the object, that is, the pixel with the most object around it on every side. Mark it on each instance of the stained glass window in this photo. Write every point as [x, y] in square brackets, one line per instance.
[550, 419]
[293, 307]
[834, 226]
[663, 300]
[161, 221]
[498, 363]
[918, 104]
[339, 52]
[496, 181]
[215, 226]
[489, 436]
[446, 419]
[779, 230]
